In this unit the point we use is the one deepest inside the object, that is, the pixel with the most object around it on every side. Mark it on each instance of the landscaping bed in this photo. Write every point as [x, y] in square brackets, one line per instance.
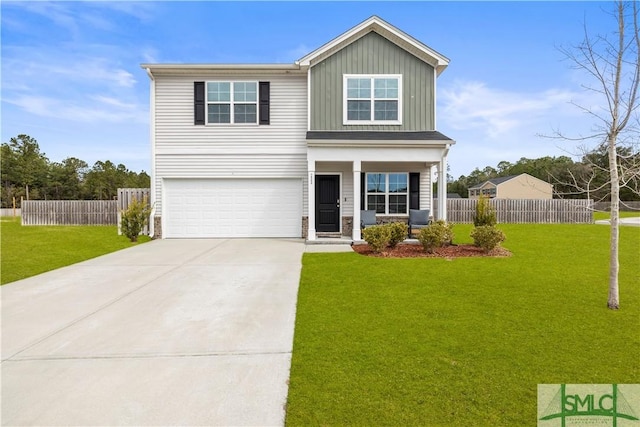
[410, 250]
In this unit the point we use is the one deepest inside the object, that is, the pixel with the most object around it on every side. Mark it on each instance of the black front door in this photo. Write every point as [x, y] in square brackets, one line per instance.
[327, 203]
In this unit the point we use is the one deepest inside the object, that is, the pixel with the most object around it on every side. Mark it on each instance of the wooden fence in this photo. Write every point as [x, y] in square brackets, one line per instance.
[523, 211]
[125, 197]
[10, 212]
[80, 212]
[69, 212]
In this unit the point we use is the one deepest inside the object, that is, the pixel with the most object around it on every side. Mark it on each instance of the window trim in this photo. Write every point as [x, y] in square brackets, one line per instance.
[386, 192]
[232, 103]
[372, 121]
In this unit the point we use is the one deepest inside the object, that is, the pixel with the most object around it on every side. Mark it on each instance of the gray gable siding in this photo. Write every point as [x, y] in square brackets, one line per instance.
[372, 54]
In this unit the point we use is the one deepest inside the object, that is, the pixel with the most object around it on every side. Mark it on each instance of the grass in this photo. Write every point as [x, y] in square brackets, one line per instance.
[30, 250]
[606, 215]
[433, 342]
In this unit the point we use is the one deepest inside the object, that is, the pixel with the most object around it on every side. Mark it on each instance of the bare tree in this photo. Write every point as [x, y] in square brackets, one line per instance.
[613, 64]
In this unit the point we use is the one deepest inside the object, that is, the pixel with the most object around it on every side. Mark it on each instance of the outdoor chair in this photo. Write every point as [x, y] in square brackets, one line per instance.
[418, 219]
[367, 218]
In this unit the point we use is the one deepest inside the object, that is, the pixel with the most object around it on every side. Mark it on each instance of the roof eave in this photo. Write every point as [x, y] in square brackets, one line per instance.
[236, 68]
[439, 61]
[369, 143]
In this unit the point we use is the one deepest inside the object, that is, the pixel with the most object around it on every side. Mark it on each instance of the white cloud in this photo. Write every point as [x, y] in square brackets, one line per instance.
[298, 52]
[493, 124]
[72, 86]
[95, 110]
[101, 15]
[149, 56]
[496, 112]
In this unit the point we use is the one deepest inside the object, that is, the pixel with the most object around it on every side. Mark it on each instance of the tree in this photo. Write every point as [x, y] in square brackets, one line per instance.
[66, 178]
[28, 167]
[613, 65]
[26, 172]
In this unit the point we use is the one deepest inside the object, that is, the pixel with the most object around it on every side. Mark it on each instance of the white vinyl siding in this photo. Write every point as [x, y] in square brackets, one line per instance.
[183, 150]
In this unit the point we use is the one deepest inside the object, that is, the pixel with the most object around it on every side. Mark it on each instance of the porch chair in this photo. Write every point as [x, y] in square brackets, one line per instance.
[367, 218]
[418, 218]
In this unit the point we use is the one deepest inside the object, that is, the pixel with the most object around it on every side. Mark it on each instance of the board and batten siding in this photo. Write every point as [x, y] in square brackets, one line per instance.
[185, 150]
[372, 54]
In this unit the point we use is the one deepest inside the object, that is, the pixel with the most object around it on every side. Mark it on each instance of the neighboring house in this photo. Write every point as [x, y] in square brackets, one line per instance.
[297, 150]
[523, 186]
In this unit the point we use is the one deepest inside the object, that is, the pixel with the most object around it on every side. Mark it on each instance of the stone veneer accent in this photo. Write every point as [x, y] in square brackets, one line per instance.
[347, 226]
[157, 227]
[305, 227]
[388, 219]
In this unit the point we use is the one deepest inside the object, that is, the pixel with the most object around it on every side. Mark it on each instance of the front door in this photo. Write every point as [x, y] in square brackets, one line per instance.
[327, 203]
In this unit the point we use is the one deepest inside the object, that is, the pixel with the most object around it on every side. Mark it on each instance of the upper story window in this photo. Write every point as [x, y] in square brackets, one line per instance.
[372, 99]
[232, 102]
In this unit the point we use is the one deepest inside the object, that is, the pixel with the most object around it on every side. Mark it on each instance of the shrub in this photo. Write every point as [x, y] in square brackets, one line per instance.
[377, 236]
[487, 237]
[485, 213]
[398, 232]
[436, 235]
[134, 218]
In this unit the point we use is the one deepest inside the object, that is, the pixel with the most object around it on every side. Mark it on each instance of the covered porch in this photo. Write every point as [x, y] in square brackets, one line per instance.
[387, 172]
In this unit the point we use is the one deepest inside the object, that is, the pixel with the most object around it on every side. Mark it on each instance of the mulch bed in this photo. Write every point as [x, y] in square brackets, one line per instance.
[405, 250]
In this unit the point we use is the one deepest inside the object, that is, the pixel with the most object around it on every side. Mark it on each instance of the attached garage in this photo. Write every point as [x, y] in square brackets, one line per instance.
[214, 208]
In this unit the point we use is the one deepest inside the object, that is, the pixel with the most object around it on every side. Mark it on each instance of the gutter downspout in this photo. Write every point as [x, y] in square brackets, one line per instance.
[152, 137]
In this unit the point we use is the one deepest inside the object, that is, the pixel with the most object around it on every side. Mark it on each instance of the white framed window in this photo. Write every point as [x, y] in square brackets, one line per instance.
[372, 99]
[232, 102]
[387, 193]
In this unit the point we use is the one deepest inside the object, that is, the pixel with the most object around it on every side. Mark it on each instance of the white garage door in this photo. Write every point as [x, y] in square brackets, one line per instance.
[232, 208]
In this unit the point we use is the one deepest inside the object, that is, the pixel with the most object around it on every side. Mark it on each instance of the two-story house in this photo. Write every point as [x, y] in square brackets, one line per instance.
[523, 186]
[297, 150]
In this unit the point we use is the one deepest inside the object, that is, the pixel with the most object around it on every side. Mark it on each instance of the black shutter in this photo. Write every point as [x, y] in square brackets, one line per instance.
[363, 188]
[414, 190]
[264, 103]
[198, 103]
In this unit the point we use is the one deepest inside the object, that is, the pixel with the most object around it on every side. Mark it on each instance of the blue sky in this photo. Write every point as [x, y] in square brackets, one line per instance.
[71, 75]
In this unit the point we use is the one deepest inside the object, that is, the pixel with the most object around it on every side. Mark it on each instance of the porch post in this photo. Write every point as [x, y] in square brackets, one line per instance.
[311, 214]
[442, 188]
[357, 166]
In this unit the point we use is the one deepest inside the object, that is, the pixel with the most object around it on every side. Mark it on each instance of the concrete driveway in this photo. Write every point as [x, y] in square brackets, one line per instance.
[171, 332]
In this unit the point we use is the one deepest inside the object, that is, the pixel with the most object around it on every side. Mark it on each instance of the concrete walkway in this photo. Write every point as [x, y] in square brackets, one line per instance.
[172, 332]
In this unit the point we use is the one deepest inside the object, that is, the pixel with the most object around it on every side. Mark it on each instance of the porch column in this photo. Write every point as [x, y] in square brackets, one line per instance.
[357, 166]
[442, 188]
[311, 205]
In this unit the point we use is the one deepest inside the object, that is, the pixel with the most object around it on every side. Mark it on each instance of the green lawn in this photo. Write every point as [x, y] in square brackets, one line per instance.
[606, 215]
[30, 250]
[391, 342]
